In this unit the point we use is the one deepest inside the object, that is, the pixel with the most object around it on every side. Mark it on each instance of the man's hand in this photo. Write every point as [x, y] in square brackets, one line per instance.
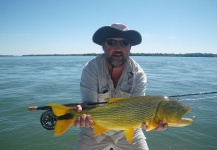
[160, 127]
[84, 120]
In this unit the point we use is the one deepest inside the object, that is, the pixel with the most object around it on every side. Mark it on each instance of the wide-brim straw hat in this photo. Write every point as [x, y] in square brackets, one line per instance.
[116, 30]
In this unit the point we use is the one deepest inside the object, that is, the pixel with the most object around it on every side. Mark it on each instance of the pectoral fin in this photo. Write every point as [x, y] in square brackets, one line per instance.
[129, 133]
[152, 125]
[98, 130]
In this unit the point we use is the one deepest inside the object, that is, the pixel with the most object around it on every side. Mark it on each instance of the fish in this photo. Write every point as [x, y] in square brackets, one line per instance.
[125, 114]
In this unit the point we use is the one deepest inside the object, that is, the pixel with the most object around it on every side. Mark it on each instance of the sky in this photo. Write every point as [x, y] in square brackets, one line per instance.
[67, 26]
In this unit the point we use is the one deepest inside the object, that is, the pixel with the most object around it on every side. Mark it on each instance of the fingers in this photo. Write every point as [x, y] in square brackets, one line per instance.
[144, 126]
[77, 122]
[88, 122]
[84, 120]
[78, 108]
[161, 126]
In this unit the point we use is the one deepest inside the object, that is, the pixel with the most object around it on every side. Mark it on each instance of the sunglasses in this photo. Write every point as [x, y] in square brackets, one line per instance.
[112, 42]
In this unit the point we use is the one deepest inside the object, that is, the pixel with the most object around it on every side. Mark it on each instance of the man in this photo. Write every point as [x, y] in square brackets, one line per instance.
[112, 74]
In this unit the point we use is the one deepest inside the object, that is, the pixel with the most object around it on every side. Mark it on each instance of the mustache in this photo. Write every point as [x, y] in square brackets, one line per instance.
[118, 53]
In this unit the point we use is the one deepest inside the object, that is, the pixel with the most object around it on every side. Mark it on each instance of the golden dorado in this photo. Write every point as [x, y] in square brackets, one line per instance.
[126, 114]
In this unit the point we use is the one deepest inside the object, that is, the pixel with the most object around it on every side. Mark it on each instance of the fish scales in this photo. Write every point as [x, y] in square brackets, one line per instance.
[127, 114]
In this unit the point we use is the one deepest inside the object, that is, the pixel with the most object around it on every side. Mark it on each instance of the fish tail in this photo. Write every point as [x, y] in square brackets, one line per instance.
[65, 118]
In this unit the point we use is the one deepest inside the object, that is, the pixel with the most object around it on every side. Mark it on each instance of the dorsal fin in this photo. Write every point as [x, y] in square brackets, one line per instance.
[112, 100]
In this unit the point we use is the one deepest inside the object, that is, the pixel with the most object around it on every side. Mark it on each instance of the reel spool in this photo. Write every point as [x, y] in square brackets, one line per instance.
[48, 120]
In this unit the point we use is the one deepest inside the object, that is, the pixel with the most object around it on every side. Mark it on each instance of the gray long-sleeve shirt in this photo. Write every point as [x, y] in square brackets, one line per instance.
[96, 85]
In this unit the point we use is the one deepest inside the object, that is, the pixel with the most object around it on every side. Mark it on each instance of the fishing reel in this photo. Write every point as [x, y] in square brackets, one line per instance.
[48, 120]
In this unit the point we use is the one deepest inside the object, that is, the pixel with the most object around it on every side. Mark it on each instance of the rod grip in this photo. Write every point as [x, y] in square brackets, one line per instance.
[35, 108]
[32, 108]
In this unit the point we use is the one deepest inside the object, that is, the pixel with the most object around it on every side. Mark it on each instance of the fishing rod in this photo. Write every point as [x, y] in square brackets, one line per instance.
[48, 119]
[84, 105]
[87, 105]
[201, 93]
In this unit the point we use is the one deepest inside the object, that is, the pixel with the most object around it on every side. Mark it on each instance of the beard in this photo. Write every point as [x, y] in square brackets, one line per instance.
[116, 59]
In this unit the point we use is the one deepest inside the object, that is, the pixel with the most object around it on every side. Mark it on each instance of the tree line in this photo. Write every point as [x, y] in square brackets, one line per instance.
[131, 54]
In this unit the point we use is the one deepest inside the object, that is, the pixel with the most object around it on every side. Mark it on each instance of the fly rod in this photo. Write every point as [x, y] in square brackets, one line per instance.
[84, 105]
[87, 105]
[201, 93]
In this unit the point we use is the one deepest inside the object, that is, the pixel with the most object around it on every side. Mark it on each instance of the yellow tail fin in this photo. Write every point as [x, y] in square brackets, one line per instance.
[65, 118]
[62, 126]
[59, 110]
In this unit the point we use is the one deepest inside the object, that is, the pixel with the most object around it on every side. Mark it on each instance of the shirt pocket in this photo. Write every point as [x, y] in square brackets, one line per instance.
[102, 97]
[125, 94]
[126, 87]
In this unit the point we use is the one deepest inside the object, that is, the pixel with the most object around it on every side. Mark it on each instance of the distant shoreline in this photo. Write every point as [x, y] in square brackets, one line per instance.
[131, 54]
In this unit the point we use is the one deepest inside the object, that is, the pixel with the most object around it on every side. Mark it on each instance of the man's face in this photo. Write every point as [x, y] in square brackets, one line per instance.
[116, 50]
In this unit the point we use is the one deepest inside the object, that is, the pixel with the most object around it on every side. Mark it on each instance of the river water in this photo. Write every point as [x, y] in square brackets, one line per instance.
[26, 81]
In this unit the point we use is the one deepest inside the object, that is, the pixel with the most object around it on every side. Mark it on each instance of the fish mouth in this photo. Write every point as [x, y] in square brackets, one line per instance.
[188, 110]
[184, 121]
[181, 123]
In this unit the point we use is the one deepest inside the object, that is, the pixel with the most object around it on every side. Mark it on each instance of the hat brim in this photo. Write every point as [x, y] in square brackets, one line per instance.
[109, 32]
